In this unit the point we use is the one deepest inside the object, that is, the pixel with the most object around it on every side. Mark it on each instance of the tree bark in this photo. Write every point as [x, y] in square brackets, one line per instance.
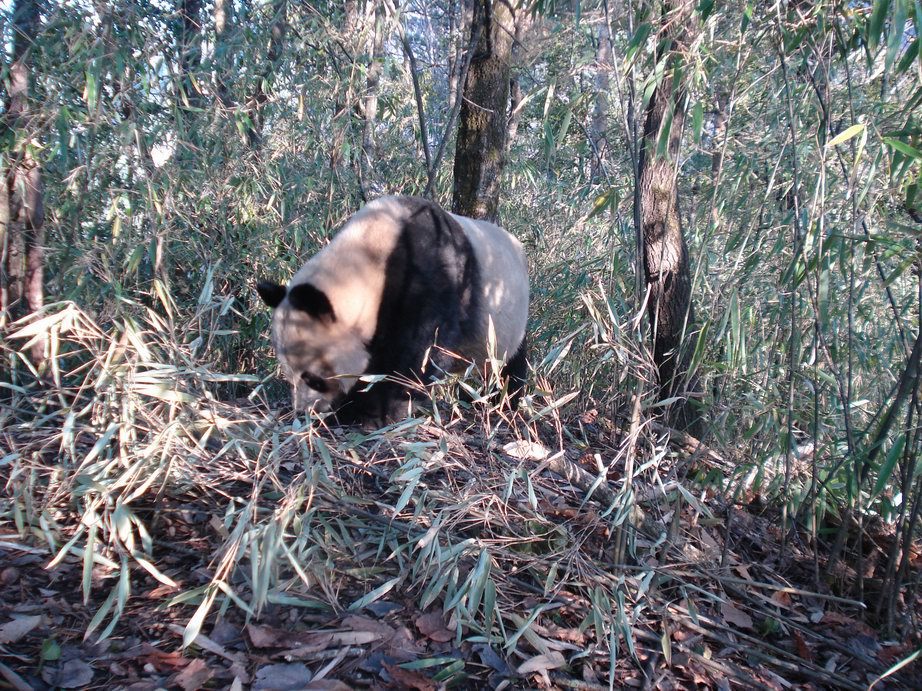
[23, 197]
[665, 254]
[481, 142]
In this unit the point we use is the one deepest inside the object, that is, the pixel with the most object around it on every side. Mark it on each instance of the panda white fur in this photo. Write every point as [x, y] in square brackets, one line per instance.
[400, 276]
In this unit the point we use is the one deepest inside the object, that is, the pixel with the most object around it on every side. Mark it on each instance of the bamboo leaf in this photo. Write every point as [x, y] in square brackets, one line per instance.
[886, 468]
[876, 24]
[897, 28]
[637, 40]
[697, 121]
[902, 147]
[845, 135]
[375, 594]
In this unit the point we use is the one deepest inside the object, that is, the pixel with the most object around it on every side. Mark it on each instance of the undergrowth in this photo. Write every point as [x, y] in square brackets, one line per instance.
[518, 528]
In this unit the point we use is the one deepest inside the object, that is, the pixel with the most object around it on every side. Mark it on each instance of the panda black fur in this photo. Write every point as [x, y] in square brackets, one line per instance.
[401, 275]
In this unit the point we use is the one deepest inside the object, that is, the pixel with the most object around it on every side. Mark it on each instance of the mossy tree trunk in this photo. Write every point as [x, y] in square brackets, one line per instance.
[665, 254]
[482, 129]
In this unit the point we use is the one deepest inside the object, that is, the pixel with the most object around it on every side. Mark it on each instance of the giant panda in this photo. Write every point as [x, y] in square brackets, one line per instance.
[401, 276]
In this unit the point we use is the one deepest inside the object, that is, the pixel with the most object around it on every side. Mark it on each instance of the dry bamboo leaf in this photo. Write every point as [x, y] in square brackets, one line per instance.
[540, 664]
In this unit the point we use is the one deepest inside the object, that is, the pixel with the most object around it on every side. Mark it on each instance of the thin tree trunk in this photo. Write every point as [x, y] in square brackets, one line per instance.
[481, 143]
[598, 126]
[23, 198]
[222, 50]
[372, 81]
[720, 128]
[523, 22]
[665, 255]
[459, 26]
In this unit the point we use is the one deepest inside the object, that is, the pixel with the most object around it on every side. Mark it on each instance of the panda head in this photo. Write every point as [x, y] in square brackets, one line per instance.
[320, 356]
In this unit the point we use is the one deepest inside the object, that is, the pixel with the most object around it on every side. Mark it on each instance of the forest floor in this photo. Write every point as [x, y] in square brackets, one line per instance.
[704, 594]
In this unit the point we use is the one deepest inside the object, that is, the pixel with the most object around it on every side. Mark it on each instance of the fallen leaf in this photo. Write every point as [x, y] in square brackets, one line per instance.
[734, 616]
[743, 571]
[782, 598]
[403, 646]
[803, 650]
[267, 637]
[542, 663]
[161, 661]
[433, 626]
[194, 676]
[327, 685]
[13, 630]
[408, 679]
[832, 617]
[282, 677]
[73, 674]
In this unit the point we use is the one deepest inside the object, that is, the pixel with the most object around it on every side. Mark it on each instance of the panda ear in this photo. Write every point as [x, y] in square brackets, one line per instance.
[271, 293]
[310, 299]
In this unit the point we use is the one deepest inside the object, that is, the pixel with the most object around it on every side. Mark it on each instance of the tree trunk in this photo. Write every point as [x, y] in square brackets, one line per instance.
[23, 198]
[481, 142]
[598, 126]
[665, 255]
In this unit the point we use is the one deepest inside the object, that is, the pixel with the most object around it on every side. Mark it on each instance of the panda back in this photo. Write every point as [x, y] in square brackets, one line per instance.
[503, 290]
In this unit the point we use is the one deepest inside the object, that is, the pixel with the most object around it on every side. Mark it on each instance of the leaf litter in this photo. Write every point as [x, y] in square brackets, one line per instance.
[472, 552]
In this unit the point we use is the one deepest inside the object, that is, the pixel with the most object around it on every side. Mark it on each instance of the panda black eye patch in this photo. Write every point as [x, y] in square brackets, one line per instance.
[318, 384]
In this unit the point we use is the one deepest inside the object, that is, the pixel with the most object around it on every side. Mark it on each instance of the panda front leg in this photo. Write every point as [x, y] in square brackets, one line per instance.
[409, 360]
[374, 405]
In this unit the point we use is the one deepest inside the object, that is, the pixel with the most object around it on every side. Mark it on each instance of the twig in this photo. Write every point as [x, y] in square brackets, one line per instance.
[779, 656]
